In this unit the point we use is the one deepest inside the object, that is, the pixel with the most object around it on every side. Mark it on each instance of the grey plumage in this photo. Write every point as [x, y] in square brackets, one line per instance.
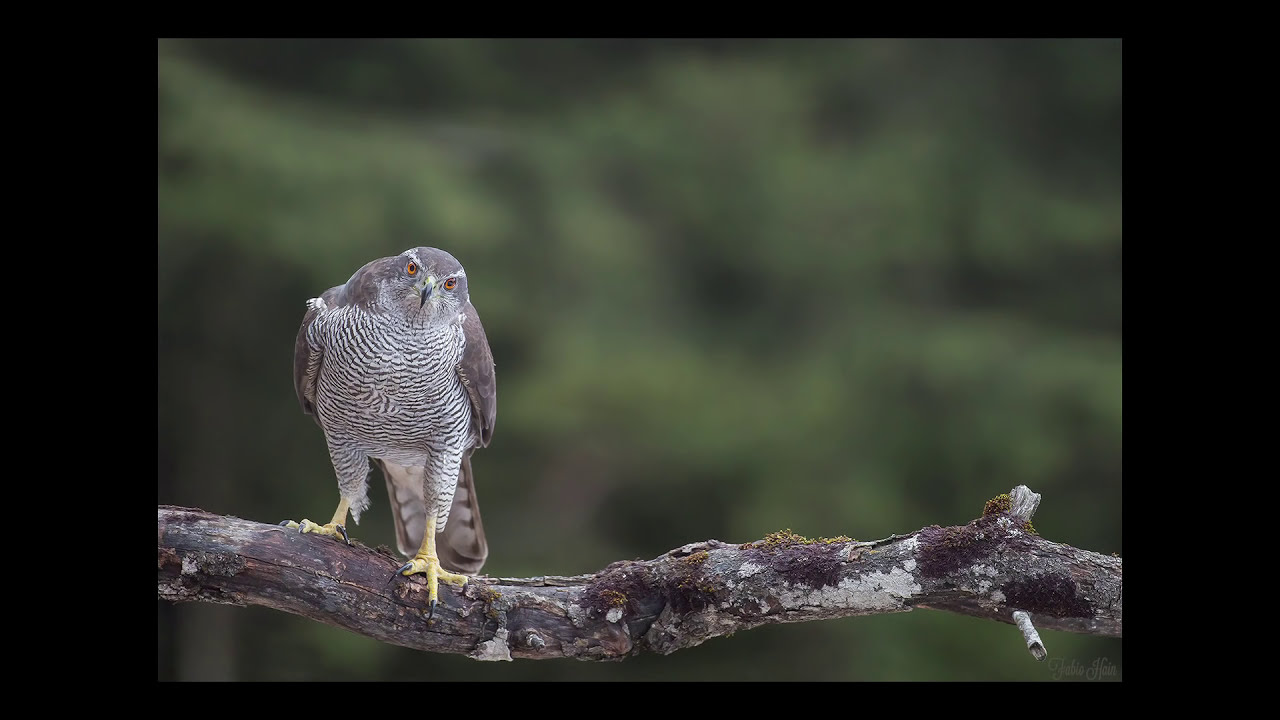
[395, 367]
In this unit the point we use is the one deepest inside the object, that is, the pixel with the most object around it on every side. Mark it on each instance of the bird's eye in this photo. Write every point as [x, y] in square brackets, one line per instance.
[412, 268]
[450, 284]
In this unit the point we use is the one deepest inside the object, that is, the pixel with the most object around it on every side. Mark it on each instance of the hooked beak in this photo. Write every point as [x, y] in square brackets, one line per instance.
[428, 287]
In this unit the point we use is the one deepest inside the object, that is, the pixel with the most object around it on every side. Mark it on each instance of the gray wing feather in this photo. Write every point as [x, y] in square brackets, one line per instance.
[307, 359]
[476, 372]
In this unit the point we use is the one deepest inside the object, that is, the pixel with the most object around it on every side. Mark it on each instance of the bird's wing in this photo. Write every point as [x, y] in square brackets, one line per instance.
[306, 357]
[475, 370]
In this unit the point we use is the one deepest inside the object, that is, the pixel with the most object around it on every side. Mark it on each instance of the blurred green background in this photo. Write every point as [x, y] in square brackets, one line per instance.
[732, 286]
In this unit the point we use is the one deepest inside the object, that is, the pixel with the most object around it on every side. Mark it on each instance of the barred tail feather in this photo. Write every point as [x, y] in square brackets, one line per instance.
[408, 509]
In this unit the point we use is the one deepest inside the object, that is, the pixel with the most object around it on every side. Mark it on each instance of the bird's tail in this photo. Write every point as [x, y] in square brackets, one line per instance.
[462, 547]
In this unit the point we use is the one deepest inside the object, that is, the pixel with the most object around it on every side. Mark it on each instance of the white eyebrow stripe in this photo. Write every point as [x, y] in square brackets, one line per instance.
[413, 255]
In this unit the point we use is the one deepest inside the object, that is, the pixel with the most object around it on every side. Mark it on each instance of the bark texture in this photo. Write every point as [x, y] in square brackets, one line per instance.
[989, 568]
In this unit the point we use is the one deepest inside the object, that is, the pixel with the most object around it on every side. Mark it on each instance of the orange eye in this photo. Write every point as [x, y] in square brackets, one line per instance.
[450, 284]
[412, 267]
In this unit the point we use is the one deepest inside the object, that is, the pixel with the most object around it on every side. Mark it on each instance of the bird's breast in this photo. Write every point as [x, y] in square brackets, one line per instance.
[392, 389]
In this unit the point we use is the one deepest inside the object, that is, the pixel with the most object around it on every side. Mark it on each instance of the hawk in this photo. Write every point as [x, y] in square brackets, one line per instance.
[395, 368]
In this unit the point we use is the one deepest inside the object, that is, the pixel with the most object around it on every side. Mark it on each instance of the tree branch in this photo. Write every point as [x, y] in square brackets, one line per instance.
[991, 568]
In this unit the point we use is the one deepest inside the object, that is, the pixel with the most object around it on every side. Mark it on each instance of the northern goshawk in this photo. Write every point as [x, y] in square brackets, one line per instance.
[395, 368]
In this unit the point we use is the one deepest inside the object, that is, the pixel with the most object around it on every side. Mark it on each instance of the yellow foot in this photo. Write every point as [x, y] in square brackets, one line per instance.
[306, 526]
[430, 565]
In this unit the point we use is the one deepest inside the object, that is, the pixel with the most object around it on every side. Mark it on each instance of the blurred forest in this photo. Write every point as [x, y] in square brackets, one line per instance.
[733, 286]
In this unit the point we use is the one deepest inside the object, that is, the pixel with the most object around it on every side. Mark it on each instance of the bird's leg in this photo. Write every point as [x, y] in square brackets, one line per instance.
[427, 562]
[336, 527]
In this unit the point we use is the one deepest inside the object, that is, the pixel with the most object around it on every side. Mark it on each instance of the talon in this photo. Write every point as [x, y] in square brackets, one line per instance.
[336, 527]
[426, 561]
[397, 573]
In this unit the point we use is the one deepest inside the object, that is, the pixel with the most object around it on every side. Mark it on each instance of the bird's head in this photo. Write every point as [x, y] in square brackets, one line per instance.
[426, 285]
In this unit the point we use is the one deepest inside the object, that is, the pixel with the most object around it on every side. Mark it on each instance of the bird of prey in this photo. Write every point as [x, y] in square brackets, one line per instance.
[395, 368]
